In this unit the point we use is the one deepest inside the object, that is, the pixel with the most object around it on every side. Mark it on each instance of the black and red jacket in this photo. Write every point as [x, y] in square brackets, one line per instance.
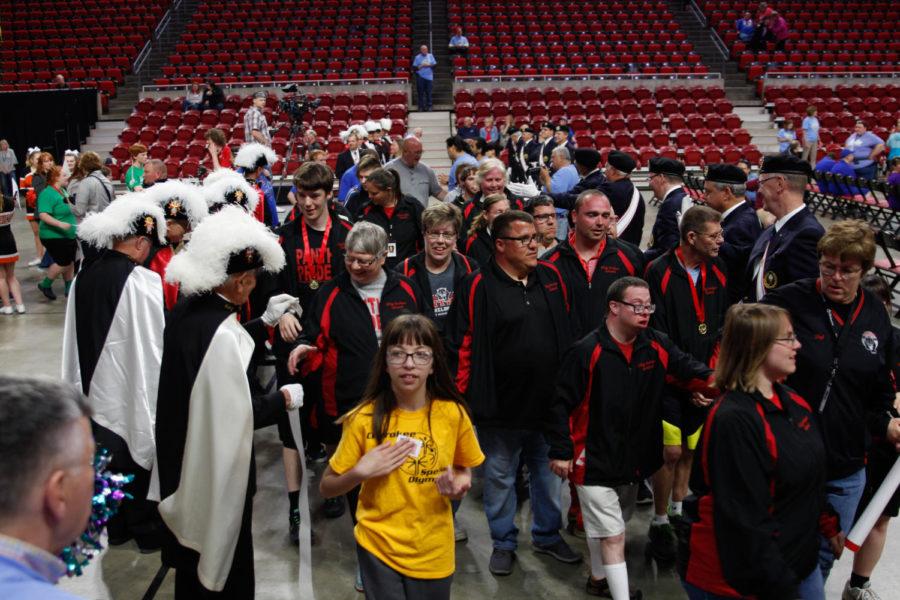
[403, 226]
[617, 259]
[468, 333]
[475, 206]
[680, 303]
[296, 276]
[759, 480]
[415, 269]
[862, 394]
[607, 414]
[339, 325]
[479, 247]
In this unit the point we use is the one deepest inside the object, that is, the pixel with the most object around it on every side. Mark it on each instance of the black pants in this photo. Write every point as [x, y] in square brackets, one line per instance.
[382, 582]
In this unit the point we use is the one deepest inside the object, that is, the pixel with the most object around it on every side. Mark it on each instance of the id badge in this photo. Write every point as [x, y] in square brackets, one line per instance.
[392, 250]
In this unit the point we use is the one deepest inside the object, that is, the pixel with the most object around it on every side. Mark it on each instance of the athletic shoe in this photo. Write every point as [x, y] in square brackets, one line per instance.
[20, 308]
[358, 586]
[662, 545]
[502, 562]
[47, 291]
[333, 507]
[559, 550]
[6, 310]
[644, 494]
[294, 526]
[859, 593]
[459, 532]
[34, 262]
[601, 588]
[316, 455]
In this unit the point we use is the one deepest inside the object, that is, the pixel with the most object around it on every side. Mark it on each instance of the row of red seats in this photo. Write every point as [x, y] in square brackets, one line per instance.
[756, 71]
[746, 58]
[617, 121]
[585, 94]
[193, 118]
[463, 63]
[867, 92]
[690, 70]
[207, 52]
[568, 39]
[669, 106]
[281, 77]
[114, 74]
[578, 48]
[236, 102]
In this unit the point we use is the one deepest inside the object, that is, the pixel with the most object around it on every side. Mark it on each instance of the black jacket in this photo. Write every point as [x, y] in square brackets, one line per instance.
[665, 233]
[863, 392]
[759, 480]
[479, 247]
[474, 207]
[741, 229]
[414, 268]
[344, 162]
[607, 415]
[404, 227]
[469, 344]
[791, 255]
[340, 326]
[620, 193]
[592, 181]
[588, 295]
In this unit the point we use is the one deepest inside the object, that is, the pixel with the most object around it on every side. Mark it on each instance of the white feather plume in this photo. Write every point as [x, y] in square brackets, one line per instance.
[191, 197]
[220, 174]
[117, 220]
[250, 153]
[215, 193]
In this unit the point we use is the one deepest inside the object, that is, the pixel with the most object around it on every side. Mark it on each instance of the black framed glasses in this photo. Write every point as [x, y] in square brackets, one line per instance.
[396, 357]
[524, 240]
[829, 270]
[640, 309]
[543, 218]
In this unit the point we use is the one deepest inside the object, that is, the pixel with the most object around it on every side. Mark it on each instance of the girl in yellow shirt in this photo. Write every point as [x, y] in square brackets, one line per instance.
[411, 445]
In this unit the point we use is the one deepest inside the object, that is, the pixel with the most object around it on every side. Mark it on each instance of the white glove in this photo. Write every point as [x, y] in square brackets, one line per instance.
[278, 305]
[525, 190]
[295, 390]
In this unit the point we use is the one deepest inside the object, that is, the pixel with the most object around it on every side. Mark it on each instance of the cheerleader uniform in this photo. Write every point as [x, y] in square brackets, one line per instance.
[8, 251]
[27, 191]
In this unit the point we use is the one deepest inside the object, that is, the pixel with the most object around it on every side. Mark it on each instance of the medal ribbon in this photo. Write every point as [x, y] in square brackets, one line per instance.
[308, 255]
[699, 302]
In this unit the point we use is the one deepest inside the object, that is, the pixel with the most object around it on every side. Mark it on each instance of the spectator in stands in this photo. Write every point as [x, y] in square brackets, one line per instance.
[134, 176]
[489, 132]
[423, 65]
[467, 130]
[59, 82]
[348, 157]
[745, 27]
[155, 172]
[844, 168]
[506, 128]
[217, 146]
[778, 30]
[213, 96]
[310, 142]
[824, 166]
[8, 164]
[458, 43]
[866, 147]
[893, 143]
[466, 186]
[786, 137]
[416, 178]
[256, 129]
[893, 181]
[458, 151]
[193, 100]
[810, 136]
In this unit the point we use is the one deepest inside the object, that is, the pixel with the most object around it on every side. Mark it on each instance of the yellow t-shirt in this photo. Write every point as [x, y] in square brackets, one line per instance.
[401, 517]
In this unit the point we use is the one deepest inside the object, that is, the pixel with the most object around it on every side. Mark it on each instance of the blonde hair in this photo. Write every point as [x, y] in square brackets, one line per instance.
[488, 165]
[750, 330]
[848, 240]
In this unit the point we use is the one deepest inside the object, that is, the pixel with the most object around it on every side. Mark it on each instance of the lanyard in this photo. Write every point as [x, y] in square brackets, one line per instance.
[308, 255]
[697, 297]
[839, 338]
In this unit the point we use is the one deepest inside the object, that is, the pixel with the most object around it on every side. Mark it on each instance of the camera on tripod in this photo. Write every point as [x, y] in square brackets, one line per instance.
[297, 106]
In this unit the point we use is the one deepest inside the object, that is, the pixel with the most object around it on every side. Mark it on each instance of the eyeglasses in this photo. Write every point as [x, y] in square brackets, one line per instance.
[525, 240]
[440, 236]
[789, 340]
[363, 262]
[830, 270]
[398, 357]
[640, 309]
[543, 218]
[762, 181]
[719, 235]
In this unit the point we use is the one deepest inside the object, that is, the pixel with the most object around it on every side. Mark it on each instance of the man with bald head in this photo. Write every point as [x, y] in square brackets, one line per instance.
[155, 171]
[423, 65]
[416, 178]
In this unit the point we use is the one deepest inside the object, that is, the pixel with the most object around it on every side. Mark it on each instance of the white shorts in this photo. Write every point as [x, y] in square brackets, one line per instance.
[605, 510]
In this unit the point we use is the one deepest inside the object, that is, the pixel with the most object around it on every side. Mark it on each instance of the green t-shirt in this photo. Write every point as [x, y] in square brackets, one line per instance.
[134, 177]
[54, 204]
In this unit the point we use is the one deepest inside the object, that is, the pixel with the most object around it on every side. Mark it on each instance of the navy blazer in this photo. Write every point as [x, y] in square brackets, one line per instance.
[741, 228]
[592, 181]
[792, 253]
[665, 230]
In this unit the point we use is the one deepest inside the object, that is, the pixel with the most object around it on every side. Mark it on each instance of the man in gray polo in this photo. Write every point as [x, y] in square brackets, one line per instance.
[416, 178]
[255, 127]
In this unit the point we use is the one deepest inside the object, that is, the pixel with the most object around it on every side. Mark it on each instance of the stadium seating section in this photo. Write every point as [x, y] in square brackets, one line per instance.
[178, 137]
[93, 43]
[694, 124]
[332, 41]
[544, 37]
[825, 37]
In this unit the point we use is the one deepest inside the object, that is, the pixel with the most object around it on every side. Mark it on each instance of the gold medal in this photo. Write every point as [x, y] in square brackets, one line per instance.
[702, 328]
[314, 284]
[770, 281]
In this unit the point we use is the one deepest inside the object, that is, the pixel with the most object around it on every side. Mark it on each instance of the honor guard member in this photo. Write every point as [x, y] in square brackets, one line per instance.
[586, 161]
[667, 182]
[627, 203]
[528, 150]
[253, 158]
[560, 140]
[225, 187]
[604, 425]
[688, 285]
[206, 414]
[546, 144]
[786, 251]
[590, 260]
[184, 207]
[723, 191]
[112, 348]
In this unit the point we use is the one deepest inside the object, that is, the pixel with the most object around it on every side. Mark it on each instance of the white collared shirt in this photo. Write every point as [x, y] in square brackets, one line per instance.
[780, 222]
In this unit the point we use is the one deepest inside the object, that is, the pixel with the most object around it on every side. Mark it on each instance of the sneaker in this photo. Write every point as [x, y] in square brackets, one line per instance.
[20, 308]
[502, 562]
[459, 532]
[859, 593]
[47, 291]
[333, 507]
[559, 550]
[662, 543]
[6, 310]
[294, 526]
[34, 262]
[316, 455]
[358, 586]
[644, 494]
[601, 588]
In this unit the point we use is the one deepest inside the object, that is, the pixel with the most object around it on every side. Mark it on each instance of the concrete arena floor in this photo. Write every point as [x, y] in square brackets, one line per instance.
[31, 343]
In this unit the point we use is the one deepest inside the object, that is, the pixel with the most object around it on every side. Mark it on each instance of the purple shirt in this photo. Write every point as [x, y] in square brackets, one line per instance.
[862, 146]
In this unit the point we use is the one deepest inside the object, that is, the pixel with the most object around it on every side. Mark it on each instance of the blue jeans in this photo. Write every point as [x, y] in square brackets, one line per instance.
[843, 495]
[502, 448]
[811, 588]
[867, 172]
[423, 90]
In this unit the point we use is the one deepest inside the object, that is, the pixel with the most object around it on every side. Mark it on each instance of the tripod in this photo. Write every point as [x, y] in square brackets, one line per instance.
[296, 129]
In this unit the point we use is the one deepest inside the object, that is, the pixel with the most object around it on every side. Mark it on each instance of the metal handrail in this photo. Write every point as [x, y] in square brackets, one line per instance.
[272, 83]
[141, 59]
